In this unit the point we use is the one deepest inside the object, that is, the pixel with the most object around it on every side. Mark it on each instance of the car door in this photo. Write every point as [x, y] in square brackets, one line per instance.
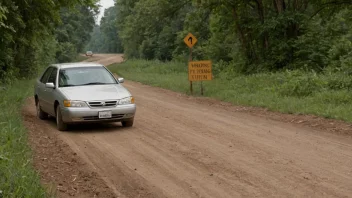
[41, 88]
[49, 93]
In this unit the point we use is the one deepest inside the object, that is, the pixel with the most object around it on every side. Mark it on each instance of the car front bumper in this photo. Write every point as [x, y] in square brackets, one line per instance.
[87, 114]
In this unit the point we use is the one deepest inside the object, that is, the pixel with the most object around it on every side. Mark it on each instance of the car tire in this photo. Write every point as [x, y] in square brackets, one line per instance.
[40, 113]
[128, 123]
[61, 125]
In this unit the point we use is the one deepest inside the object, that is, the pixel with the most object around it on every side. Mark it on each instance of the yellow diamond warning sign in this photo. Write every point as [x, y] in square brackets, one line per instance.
[199, 71]
[190, 40]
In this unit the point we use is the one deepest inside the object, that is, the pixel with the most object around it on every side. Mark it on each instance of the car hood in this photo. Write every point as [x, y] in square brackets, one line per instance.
[96, 92]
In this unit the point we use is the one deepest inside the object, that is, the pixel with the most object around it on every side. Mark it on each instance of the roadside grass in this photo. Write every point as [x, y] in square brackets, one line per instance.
[18, 177]
[81, 58]
[295, 92]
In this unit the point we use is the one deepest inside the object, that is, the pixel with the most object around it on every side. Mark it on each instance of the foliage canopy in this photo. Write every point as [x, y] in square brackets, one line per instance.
[249, 35]
[38, 32]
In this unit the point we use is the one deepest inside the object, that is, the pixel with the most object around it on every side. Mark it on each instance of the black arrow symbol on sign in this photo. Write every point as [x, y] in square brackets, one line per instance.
[190, 39]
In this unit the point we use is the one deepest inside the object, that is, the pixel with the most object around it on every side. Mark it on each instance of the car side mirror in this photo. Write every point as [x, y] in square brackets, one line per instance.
[50, 85]
[121, 80]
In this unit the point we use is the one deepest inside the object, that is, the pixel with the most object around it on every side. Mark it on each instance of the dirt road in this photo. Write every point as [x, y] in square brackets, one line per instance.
[183, 147]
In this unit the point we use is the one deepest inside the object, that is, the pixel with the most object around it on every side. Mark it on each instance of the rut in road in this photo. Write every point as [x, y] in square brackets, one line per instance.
[180, 147]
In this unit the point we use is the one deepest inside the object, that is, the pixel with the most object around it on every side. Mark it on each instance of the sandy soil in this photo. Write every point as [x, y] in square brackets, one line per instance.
[182, 146]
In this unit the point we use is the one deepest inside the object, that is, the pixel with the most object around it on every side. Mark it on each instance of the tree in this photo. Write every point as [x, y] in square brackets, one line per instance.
[97, 41]
[105, 38]
[74, 32]
[148, 29]
[25, 29]
[108, 27]
[250, 35]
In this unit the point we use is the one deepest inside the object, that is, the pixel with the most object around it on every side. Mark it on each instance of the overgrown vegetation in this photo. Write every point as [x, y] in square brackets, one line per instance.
[300, 92]
[73, 33]
[17, 176]
[105, 37]
[250, 35]
[33, 34]
[36, 33]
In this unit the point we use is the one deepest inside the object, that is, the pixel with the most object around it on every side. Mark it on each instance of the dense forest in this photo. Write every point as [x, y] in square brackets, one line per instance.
[239, 35]
[105, 38]
[36, 33]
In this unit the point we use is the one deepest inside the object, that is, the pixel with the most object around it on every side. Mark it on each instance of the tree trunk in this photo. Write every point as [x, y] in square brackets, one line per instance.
[280, 6]
[240, 30]
[245, 38]
[265, 37]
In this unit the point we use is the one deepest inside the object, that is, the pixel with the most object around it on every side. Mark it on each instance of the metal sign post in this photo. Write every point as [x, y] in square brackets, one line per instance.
[197, 70]
[190, 41]
[201, 88]
[190, 82]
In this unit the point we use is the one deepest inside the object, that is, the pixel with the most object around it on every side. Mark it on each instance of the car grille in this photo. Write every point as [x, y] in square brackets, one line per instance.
[113, 116]
[111, 103]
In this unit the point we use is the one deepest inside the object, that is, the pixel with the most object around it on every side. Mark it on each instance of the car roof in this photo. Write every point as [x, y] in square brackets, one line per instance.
[79, 64]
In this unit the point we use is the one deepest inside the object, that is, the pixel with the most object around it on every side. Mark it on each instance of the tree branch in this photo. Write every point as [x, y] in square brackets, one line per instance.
[334, 3]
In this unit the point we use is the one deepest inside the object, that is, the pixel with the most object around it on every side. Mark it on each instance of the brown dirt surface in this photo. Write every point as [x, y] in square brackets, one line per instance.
[61, 170]
[182, 146]
[106, 59]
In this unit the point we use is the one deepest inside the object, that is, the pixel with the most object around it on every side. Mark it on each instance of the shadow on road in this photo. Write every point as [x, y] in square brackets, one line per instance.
[91, 127]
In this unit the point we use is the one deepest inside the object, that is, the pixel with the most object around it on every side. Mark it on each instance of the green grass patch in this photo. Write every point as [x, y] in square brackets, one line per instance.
[326, 95]
[80, 58]
[17, 175]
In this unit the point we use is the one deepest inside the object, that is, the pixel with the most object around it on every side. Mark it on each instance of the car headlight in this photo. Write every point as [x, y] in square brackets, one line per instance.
[128, 100]
[74, 103]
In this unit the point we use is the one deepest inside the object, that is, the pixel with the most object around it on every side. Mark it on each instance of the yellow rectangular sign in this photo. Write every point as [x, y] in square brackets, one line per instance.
[200, 71]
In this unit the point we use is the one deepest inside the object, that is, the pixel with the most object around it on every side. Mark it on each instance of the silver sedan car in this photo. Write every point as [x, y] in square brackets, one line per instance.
[81, 93]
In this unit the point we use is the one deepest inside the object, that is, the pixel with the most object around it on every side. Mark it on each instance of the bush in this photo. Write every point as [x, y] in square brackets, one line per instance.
[340, 97]
[338, 82]
[67, 52]
[298, 84]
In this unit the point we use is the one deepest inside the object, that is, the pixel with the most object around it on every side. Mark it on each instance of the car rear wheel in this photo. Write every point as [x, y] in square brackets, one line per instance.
[61, 126]
[128, 123]
[40, 113]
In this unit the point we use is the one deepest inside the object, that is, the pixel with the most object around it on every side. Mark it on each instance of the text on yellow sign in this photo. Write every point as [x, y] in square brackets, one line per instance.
[200, 70]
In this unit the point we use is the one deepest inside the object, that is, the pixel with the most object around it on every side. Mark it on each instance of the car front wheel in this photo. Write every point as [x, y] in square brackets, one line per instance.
[40, 113]
[128, 123]
[61, 126]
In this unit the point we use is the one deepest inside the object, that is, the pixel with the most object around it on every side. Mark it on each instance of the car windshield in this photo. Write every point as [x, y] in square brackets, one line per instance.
[82, 76]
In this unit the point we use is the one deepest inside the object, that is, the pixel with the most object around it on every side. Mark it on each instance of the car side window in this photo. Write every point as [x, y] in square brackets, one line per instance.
[46, 75]
[52, 77]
